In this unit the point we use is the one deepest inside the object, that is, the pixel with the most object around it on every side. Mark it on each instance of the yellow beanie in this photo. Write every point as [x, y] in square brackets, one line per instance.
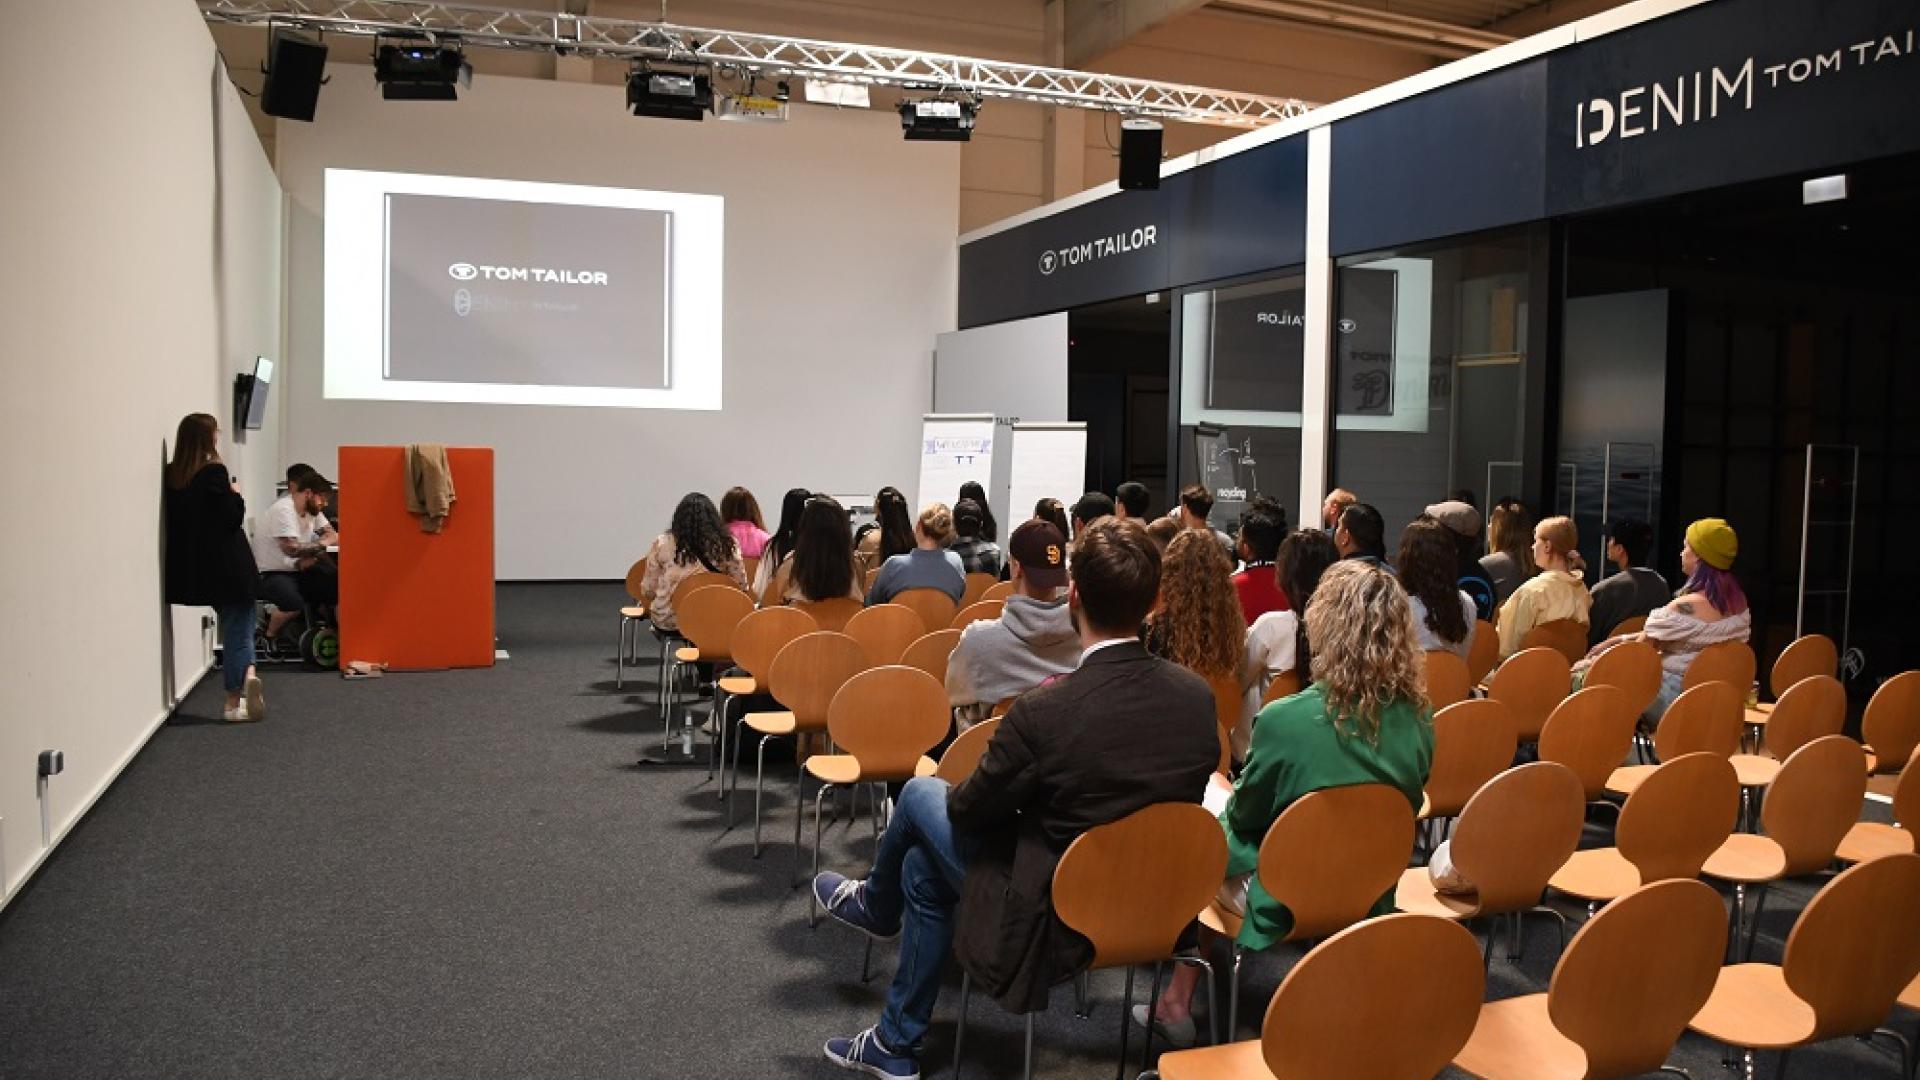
[1713, 540]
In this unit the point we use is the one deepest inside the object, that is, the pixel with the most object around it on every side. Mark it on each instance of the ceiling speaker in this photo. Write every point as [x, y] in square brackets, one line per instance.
[1139, 154]
[295, 68]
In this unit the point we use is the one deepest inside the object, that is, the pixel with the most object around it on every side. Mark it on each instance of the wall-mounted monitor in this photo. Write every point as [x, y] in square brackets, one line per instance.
[252, 394]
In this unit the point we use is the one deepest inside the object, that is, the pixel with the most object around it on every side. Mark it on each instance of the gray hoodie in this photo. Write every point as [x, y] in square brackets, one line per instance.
[996, 659]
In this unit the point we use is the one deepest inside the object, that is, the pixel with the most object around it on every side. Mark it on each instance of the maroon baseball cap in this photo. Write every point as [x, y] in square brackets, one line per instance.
[1041, 552]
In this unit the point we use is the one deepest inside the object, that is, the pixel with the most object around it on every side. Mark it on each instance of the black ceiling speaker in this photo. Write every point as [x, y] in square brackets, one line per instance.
[1139, 154]
[295, 69]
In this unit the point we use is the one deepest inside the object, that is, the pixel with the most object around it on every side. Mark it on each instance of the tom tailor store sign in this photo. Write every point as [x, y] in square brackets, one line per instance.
[1092, 251]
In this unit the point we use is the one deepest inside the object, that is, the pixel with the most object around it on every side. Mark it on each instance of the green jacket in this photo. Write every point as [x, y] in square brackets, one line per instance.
[1296, 750]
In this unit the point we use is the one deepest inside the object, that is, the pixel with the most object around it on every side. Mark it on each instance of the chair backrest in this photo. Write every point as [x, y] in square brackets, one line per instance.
[760, 636]
[1628, 626]
[707, 618]
[1393, 997]
[889, 717]
[810, 670]
[700, 580]
[749, 566]
[1590, 733]
[1227, 699]
[1892, 722]
[1334, 853]
[1707, 717]
[635, 575]
[1447, 680]
[1679, 815]
[930, 652]
[964, 754]
[1285, 684]
[1729, 662]
[980, 611]
[1906, 796]
[1857, 945]
[1484, 653]
[1531, 683]
[1632, 667]
[885, 631]
[1814, 800]
[1516, 832]
[1809, 655]
[936, 609]
[1813, 707]
[1004, 706]
[1636, 973]
[999, 591]
[832, 614]
[1565, 635]
[977, 584]
[1131, 886]
[1473, 741]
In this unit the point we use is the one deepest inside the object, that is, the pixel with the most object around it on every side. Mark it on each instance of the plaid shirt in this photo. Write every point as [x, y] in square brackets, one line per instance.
[977, 555]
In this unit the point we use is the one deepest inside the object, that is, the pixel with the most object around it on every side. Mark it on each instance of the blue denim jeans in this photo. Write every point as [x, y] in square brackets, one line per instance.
[916, 879]
[236, 644]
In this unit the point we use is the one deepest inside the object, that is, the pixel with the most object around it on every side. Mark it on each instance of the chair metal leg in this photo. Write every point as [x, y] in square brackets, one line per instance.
[1082, 986]
[799, 794]
[1233, 995]
[1126, 1017]
[1153, 1007]
[1753, 923]
[739, 737]
[813, 905]
[1906, 1048]
[960, 1030]
[717, 739]
[620, 658]
[1213, 1013]
[1675, 1070]
[1028, 1074]
[1558, 918]
[759, 782]
[666, 708]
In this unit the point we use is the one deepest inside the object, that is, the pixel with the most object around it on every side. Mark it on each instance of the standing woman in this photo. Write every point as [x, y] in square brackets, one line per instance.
[989, 528]
[209, 561]
[741, 511]
[696, 542]
[779, 546]
[1443, 613]
[1558, 591]
[1509, 562]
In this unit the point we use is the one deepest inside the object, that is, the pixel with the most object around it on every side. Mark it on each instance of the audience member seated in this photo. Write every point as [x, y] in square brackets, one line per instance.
[1711, 608]
[1263, 524]
[1053, 513]
[1092, 507]
[822, 567]
[1122, 732]
[290, 547]
[1362, 534]
[1197, 623]
[1162, 530]
[1336, 504]
[1196, 505]
[1636, 590]
[890, 532]
[1364, 720]
[1558, 591]
[779, 547]
[1509, 563]
[1277, 641]
[741, 511]
[697, 541]
[1132, 500]
[989, 528]
[1463, 525]
[1032, 641]
[978, 554]
[928, 566]
[1443, 614]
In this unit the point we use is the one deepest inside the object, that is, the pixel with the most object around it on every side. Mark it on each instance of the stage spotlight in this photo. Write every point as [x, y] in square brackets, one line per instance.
[937, 120]
[420, 71]
[670, 95]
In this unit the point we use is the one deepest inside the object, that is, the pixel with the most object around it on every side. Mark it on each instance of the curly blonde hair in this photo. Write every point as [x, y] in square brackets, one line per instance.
[1199, 617]
[1366, 653]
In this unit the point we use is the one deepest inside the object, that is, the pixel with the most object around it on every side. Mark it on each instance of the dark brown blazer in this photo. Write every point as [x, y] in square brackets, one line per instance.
[1124, 731]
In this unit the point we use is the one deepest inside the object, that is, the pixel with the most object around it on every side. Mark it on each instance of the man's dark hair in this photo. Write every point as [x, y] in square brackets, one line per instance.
[312, 483]
[1198, 500]
[1635, 536]
[1116, 572]
[1133, 495]
[298, 470]
[1465, 495]
[1092, 506]
[1263, 524]
[1368, 529]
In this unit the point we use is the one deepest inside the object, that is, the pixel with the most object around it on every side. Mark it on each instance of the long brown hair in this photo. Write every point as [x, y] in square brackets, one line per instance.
[738, 504]
[1199, 615]
[823, 550]
[195, 445]
[1510, 530]
[1429, 565]
[1366, 655]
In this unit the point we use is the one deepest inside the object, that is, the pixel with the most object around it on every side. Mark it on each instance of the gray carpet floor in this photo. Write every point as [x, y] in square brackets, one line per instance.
[465, 874]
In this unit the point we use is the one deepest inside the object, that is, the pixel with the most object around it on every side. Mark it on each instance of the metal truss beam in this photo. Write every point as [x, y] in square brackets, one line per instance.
[566, 34]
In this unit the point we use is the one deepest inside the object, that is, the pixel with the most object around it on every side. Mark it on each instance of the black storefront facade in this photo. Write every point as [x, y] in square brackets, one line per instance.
[1593, 278]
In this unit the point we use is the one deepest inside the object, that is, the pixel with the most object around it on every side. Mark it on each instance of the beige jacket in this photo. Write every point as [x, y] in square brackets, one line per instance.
[429, 485]
[1543, 598]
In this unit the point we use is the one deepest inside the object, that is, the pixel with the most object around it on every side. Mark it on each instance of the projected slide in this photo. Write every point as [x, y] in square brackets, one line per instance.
[509, 292]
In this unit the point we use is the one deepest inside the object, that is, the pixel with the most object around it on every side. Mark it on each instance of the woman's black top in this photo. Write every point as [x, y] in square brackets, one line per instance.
[209, 562]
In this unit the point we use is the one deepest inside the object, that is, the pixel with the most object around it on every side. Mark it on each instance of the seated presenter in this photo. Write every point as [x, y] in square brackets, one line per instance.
[290, 545]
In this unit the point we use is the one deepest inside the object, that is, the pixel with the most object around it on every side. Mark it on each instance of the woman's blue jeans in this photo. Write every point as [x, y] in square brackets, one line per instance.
[236, 644]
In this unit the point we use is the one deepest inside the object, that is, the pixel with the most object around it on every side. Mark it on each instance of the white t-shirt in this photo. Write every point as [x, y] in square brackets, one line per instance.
[279, 521]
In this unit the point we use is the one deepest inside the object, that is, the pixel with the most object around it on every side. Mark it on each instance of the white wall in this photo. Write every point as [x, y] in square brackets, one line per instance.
[141, 222]
[840, 270]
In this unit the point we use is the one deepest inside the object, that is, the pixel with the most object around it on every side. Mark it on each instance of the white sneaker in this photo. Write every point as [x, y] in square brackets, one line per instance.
[236, 715]
[1178, 1033]
[256, 701]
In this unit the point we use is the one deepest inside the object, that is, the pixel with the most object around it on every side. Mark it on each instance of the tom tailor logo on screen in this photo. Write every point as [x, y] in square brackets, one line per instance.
[1119, 243]
[1698, 97]
[538, 275]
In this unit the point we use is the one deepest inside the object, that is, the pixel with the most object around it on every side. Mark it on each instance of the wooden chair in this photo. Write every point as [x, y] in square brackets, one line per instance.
[1530, 684]
[964, 754]
[1678, 817]
[1870, 839]
[1484, 654]
[1620, 997]
[1473, 742]
[701, 580]
[977, 612]
[1590, 733]
[1811, 708]
[832, 614]
[1891, 726]
[998, 591]
[1130, 887]
[1229, 701]
[930, 652]
[749, 567]
[804, 677]
[1703, 719]
[1331, 857]
[756, 641]
[1807, 656]
[1730, 662]
[1447, 681]
[1848, 958]
[1628, 626]
[1808, 810]
[1633, 668]
[708, 616]
[1284, 684]
[1394, 997]
[631, 616]
[977, 585]
[885, 631]
[1512, 836]
[884, 721]
[935, 608]
[1566, 636]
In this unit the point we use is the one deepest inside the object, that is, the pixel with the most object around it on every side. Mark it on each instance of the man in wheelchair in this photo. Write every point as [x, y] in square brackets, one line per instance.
[297, 574]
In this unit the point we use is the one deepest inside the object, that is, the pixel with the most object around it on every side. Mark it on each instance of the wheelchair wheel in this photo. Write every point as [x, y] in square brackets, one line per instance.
[321, 648]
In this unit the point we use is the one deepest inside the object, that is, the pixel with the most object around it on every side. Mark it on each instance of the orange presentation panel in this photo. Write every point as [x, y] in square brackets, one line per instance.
[408, 598]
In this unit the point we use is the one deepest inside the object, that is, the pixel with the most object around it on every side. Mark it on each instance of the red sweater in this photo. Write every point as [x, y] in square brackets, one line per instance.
[1259, 592]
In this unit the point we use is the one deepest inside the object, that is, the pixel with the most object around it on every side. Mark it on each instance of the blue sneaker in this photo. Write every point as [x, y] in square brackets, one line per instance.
[845, 899]
[864, 1053]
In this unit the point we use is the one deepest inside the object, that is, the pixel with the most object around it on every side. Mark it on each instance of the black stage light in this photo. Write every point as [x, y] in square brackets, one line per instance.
[296, 67]
[669, 95]
[419, 71]
[937, 120]
[1139, 154]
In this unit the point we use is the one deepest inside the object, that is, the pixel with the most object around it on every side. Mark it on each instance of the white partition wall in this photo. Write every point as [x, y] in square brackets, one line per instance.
[1012, 371]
